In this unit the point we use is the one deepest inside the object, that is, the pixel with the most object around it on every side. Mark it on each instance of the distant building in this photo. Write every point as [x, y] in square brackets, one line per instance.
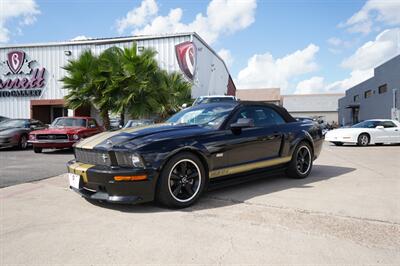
[374, 98]
[267, 95]
[313, 105]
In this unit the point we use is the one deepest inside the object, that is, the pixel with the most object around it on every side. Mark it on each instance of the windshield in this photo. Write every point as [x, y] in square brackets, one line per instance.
[136, 123]
[367, 124]
[212, 116]
[213, 100]
[69, 122]
[15, 123]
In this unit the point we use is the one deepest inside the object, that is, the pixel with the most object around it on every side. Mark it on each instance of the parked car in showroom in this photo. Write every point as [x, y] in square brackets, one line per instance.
[374, 131]
[207, 144]
[15, 132]
[63, 133]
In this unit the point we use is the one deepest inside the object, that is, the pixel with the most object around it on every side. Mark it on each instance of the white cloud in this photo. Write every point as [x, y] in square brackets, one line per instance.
[138, 16]
[312, 85]
[226, 55]
[373, 53]
[24, 11]
[374, 11]
[223, 17]
[361, 64]
[263, 70]
[81, 38]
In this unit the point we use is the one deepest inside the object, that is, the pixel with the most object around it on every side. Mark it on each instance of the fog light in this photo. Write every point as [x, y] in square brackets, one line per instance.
[130, 178]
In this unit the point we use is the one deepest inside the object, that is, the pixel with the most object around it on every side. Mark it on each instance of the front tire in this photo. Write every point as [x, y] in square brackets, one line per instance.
[182, 181]
[37, 150]
[23, 142]
[302, 160]
[363, 140]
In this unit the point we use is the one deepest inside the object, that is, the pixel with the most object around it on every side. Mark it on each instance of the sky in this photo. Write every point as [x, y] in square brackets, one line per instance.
[312, 46]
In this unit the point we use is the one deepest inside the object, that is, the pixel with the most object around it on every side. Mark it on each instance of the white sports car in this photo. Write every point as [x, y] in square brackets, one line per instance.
[375, 131]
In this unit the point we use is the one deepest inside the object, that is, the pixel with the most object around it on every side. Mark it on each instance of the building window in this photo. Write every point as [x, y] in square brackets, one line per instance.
[356, 98]
[382, 89]
[368, 94]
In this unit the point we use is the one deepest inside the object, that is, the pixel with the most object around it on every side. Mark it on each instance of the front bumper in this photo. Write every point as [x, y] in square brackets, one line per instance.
[344, 139]
[6, 142]
[97, 183]
[50, 144]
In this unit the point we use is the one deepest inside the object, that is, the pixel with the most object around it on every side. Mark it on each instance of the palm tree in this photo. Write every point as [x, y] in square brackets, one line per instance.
[175, 92]
[84, 84]
[135, 90]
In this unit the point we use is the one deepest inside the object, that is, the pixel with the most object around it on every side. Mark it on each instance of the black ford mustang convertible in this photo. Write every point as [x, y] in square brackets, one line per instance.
[207, 144]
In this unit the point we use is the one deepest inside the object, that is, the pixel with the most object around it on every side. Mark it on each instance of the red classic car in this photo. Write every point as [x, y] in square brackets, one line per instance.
[63, 133]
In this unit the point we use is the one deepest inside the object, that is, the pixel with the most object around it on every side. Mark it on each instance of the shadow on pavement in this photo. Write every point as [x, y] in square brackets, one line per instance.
[236, 194]
[58, 151]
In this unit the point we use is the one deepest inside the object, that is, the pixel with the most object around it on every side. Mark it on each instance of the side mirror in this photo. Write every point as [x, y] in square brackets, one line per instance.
[379, 127]
[242, 123]
[184, 105]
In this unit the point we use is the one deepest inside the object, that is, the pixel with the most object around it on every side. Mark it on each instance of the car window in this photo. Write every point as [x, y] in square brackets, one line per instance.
[388, 124]
[367, 124]
[262, 116]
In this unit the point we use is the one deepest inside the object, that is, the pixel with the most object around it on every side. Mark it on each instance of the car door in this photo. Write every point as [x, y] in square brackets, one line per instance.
[392, 133]
[258, 143]
[92, 127]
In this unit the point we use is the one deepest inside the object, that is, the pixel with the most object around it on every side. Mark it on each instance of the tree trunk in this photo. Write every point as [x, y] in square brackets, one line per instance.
[106, 119]
[122, 117]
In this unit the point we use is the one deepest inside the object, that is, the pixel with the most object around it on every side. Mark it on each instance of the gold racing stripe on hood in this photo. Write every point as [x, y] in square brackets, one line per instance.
[80, 169]
[248, 167]
[91, 142]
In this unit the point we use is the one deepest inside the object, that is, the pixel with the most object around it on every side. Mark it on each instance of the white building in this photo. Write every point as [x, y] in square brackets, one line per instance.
[30, 74]
[312, 105]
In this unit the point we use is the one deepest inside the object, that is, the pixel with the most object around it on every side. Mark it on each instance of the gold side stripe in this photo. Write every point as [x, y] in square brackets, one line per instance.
[80, 169]
[248, 167]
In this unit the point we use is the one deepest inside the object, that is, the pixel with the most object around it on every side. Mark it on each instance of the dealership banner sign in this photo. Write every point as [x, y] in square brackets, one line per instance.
[20, 77]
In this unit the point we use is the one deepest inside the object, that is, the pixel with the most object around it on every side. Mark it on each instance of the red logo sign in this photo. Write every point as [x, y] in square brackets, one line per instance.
[186, 56]
[15, 60]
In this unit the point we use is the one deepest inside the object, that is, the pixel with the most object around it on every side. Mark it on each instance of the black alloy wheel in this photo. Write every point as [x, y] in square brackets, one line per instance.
[302, 160]
[184, 180]
[181, 182]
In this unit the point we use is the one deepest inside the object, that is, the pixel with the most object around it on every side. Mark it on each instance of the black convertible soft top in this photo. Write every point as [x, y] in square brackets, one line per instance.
[279, 109]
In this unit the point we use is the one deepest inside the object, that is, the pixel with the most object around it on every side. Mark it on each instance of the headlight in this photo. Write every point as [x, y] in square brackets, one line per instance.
[32, 137]
[76, 137]
[126, 159]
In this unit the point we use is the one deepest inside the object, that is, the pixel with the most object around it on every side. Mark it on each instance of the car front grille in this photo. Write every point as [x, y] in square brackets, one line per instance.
[51, 136]
[92, 157]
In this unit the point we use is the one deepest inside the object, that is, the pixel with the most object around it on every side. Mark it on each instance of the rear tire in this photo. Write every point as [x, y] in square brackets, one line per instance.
[37, 150]
[181, 182]
[338, 143]
[302, 160]
[363, 140]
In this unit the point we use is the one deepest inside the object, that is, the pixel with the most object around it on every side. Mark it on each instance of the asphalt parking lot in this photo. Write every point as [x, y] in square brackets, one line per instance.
[346, 212]
[20, 166]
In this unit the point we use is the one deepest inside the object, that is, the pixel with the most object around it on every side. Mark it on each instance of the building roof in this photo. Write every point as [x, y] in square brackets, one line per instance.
[262, 94]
